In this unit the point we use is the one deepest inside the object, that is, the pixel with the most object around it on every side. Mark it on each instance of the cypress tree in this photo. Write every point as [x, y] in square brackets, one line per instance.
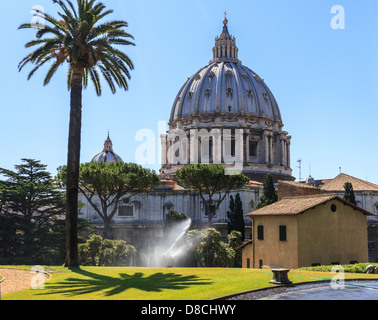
[236, 216]
[269, 193]
[349, 193]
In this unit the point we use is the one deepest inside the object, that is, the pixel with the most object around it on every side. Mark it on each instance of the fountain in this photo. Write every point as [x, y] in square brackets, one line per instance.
[177, 248]
[166, 252]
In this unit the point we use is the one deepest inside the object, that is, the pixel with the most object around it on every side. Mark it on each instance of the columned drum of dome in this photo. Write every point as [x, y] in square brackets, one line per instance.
[107, 155]
[225, 113]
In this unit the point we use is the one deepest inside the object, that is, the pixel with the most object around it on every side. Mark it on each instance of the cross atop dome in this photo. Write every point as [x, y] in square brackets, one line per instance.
[225, 21]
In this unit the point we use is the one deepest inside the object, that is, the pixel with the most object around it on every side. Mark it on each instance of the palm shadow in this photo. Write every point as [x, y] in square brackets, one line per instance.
[114, 285]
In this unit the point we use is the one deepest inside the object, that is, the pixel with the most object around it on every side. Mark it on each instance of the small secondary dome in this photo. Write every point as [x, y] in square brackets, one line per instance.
[310, 180]
[107, 155]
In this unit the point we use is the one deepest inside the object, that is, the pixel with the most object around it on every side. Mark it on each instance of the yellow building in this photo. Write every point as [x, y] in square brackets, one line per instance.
[320, 229]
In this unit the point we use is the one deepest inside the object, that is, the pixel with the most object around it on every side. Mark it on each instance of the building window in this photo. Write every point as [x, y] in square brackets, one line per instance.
[209, 209]
[353, 262]
[316, 265]
[260, 232]
[261, 263]
[252, 148]
[283, 233]
[126, 211]
[229, 145]
[233, 147]
[333, 208]
[248, 263]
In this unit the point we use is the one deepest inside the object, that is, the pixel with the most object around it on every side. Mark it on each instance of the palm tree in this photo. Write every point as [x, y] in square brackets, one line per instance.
[88, 45]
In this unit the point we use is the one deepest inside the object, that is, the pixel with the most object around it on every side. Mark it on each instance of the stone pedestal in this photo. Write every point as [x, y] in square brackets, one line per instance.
[280, 277]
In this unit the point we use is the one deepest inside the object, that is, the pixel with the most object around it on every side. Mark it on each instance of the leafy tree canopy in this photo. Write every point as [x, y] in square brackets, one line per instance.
[32, 213]
[212, 182]
[110, 182]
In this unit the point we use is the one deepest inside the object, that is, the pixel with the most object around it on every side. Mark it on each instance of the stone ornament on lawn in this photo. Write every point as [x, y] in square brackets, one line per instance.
[370, 269]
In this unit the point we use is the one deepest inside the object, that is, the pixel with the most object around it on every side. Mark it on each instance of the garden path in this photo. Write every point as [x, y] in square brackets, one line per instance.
[17, 280]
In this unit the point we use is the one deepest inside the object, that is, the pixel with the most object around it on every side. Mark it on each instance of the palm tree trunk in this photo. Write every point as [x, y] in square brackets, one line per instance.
[73, 163]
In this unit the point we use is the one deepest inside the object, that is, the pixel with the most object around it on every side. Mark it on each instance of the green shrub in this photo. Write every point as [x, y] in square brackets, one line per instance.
[349, 268]
[210, 251]
[97, 251]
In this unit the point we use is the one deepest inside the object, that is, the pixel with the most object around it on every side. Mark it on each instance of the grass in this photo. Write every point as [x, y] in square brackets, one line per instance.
[119, 283]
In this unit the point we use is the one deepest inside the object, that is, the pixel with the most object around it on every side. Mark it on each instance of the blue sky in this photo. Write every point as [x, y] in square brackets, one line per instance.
[325, 80]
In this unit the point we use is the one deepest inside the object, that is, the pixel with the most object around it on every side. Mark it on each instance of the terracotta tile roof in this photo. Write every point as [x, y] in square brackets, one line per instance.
[298, 205]
[337, 184]
[298, 184]
[252, 183]
[245, 244]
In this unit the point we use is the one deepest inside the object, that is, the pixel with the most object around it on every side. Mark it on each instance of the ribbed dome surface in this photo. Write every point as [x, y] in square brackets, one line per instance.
[225, 87]
[107, 156]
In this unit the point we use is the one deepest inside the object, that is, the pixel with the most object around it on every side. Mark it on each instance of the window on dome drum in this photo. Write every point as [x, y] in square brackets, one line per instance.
[126, 211]
[205, 150]
[211, 148]
[283, 233]
[252, 148]
[229, 146]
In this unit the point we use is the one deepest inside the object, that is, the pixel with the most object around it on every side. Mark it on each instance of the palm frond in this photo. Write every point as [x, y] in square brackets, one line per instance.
[48, 29]
[96, 80]
[106, 28]
[24, 62]
[102, 15]
[26, 26]
[80, 39]
[51, 72]
[35, 42]
[40, 64]
[120, 41]
[106, 74]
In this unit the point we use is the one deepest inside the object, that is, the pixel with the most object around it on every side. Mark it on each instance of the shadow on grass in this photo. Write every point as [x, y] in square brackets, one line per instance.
[95, 282]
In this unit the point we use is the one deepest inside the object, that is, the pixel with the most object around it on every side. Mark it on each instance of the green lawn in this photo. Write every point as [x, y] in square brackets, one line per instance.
[117, 283]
